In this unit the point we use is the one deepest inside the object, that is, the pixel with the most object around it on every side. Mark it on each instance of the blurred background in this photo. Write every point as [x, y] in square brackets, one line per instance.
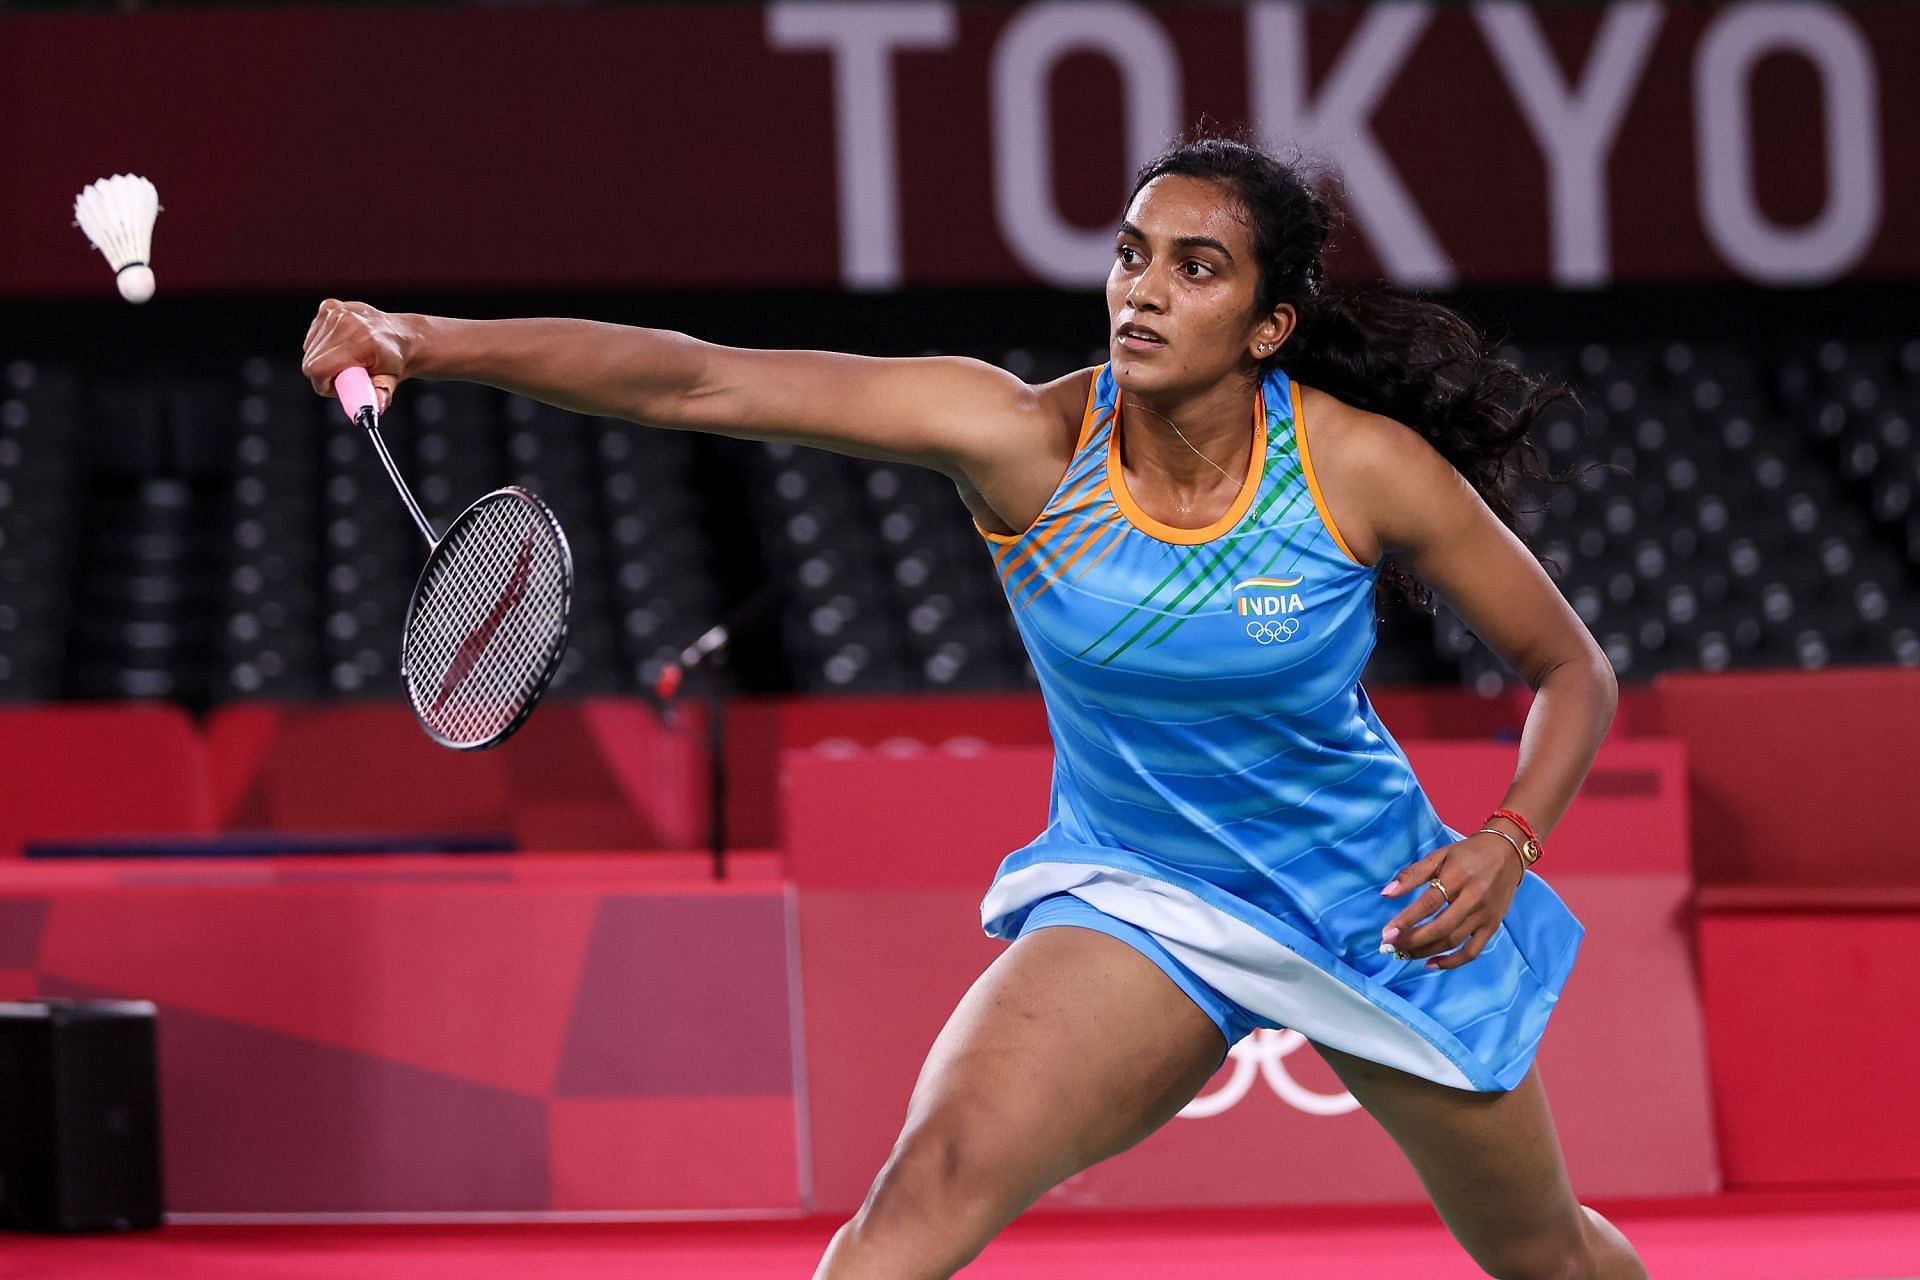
[1719, 279]
[1705, 217]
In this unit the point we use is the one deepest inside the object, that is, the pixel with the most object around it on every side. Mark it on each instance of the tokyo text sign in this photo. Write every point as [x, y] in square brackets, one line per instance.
[880, 145]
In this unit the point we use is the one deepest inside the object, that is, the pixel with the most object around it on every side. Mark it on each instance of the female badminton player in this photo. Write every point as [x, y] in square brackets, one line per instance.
[1191, 537]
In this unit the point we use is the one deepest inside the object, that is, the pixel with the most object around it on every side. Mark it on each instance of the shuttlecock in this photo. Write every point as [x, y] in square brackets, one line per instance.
[117, 214]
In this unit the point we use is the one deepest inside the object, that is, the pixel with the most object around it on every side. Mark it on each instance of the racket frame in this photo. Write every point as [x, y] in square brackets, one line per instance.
[552, 522]
[355, 389]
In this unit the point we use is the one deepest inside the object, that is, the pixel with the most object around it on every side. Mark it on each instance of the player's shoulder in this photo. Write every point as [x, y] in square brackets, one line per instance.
[1365, 446]
[1023, 455]
[1383, 480]
[1049, 414]
[1066, 397]
[991, 386]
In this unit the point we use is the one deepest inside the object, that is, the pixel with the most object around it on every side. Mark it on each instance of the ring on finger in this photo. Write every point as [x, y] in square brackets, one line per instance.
[1445, 897]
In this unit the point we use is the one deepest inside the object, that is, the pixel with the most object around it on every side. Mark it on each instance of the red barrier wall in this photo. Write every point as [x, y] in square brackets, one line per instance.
[435, 1035]
[588, 774]
[1810, 997]
[598, 773]
[79, 772]
[891, 856]
[896, 843]
[1800, 777]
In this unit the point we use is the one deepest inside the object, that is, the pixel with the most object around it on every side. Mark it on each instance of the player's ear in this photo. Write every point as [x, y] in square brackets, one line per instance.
[1272, 332]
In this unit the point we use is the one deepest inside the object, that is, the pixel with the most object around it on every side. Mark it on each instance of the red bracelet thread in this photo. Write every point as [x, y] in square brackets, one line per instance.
[1517, 821]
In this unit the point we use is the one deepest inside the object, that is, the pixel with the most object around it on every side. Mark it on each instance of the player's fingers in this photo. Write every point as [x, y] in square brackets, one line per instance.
[1406, 929]
[320, 313]
[326, 323]
[1471, 948]
[383, 389]
[329, 349]
[1417, 873]
[1464, 955]
[1418, 908]
[327, 365]
[317, 362]
[343, 340]
[1442, 933]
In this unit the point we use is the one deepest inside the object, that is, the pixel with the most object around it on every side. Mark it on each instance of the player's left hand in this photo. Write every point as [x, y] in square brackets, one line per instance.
[1480, 874]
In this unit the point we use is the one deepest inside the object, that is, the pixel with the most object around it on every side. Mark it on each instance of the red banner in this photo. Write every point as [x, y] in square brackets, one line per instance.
[877, 145]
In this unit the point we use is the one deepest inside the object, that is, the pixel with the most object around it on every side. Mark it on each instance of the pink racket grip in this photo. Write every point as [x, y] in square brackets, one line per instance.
[355, 388]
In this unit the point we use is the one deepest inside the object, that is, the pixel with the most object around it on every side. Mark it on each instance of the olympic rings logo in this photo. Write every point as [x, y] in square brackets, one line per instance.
[1264, 1053]
[1271, 631]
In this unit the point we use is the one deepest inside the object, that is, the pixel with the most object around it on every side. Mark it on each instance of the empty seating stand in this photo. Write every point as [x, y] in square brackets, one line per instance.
[225, 537]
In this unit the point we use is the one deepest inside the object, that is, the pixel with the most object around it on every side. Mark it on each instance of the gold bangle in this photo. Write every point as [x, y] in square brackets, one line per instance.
[1510, 840]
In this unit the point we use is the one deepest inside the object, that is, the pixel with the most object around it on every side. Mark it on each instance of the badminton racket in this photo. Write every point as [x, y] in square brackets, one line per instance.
[487, 623]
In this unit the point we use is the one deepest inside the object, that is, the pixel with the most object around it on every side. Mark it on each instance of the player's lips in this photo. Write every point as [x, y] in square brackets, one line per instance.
[1137, 337]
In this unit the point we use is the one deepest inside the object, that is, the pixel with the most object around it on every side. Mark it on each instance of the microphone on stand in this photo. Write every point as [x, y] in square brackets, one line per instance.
[666, 685]
[711, 649]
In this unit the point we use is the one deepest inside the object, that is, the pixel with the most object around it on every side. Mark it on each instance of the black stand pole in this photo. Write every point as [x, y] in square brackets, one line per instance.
[710, 652]
[717, 775]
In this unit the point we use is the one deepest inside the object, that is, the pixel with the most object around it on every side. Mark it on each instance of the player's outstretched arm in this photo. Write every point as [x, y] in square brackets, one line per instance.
[949, 413]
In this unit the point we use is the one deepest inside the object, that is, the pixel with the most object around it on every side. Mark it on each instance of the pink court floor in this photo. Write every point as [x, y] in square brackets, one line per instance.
[1872, 1235]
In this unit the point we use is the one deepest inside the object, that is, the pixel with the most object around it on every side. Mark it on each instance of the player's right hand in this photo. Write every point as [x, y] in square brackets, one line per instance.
[345, 334]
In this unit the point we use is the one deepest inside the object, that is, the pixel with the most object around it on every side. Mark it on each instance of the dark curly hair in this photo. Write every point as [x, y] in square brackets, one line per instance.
[1375, 346]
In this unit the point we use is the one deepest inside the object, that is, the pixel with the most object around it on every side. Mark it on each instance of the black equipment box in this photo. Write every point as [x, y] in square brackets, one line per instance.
[79, 1115]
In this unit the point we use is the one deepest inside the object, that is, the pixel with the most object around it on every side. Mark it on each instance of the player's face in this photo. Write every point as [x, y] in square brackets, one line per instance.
[1180, 297]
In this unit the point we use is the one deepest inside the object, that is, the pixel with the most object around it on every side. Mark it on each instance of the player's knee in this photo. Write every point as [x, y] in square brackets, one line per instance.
[939, 1175]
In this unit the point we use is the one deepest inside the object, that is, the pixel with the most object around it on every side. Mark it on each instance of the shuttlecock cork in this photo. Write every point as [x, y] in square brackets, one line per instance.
[117, 215]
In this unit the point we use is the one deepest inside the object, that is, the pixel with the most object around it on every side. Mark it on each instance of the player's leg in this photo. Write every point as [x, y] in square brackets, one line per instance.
[1070, 1048]
[1491, 1164]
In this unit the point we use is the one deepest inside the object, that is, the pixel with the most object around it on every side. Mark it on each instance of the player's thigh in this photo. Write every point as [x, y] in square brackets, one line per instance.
[1071, 1047]
[1491, 1162]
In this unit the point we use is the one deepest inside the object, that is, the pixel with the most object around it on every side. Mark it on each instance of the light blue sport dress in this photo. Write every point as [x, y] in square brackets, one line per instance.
[1224, 796]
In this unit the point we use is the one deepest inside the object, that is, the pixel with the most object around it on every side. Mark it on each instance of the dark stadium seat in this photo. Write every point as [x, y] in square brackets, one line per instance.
[39, 488]
[1733, 506]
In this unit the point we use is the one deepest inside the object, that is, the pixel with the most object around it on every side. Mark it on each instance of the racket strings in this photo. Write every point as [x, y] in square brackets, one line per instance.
[488, 620]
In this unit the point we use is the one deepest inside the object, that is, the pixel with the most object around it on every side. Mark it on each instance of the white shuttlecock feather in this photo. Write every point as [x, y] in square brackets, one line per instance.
[117, 214]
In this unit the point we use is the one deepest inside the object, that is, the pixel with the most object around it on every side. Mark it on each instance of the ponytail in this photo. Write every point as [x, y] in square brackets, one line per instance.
[1423, 364]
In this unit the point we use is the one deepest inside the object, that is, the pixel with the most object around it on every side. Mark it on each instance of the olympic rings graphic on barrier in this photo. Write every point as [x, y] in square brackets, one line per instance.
[1264, 1053]
[1270, 631]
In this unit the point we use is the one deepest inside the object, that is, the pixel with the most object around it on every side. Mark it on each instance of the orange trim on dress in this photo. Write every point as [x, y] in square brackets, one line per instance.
[1069, 551]
[1030, 552]
[1099, 531]
[1249, 485]
[1086, 430]
[1313, 481]
[1035, 553]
